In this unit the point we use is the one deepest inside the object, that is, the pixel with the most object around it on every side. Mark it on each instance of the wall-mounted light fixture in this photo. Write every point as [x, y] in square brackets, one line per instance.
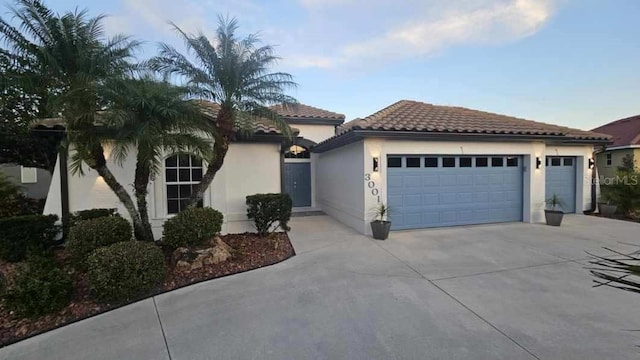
[591, 163]
[538, 163]
[376, 164]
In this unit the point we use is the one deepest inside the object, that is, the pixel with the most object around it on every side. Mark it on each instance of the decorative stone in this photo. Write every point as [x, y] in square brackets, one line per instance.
[185, 259]
[183, 265]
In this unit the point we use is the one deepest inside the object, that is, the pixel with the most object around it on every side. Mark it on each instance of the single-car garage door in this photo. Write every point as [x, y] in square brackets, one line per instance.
[560, 179]
[431, 191]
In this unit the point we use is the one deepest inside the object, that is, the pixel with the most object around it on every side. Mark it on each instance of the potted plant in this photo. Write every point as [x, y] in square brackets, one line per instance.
[553, 216]
[605, 207]
[380, 226]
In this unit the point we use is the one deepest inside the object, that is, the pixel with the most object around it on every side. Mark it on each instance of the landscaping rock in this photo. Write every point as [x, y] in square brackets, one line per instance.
[185, 259]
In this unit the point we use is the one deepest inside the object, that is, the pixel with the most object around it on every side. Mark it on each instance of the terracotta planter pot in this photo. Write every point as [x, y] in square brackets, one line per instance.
[553, 217]
[380, 229]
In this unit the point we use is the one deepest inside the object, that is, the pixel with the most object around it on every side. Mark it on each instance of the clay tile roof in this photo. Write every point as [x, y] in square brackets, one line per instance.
[208, 108]
[260, 126]
[302, 111]
[623, 132]
[408, 115]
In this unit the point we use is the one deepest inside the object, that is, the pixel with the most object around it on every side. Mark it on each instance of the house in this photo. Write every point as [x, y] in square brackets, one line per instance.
[625, 134]
[264, 162]
[444, 166]
[433, 165]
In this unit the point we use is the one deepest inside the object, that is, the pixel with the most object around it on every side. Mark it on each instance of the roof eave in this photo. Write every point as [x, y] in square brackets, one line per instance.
[358, 134]
[313, 121]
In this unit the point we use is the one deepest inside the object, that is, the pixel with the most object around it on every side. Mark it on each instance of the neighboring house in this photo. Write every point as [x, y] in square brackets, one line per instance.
[34, 182]
[262, 163]
[625, 134]
[444, 166]
[433, 165]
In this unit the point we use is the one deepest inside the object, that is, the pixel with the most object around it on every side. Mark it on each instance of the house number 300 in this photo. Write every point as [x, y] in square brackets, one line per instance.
[372, 186]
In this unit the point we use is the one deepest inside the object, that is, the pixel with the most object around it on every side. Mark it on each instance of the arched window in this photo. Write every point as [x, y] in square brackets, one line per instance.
[297, 152]
[182, 173]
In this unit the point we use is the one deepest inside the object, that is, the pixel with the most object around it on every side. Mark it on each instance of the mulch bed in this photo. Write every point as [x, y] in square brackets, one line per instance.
[250, 252]
[616, 217]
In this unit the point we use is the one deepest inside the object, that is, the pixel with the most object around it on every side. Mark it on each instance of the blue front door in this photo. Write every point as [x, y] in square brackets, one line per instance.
[297, 183]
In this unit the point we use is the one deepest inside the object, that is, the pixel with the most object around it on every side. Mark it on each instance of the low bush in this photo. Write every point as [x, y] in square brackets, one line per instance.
[125, 271]
[269, 212]
[194, 226]
[28, 233]
[90, 214]
[88, 235]
[40, 288]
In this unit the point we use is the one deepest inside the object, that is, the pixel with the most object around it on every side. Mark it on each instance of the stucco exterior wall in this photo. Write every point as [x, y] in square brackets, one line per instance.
[533, 179]
[249, 168]
[609, 171]
[316, 133]
[37, 190]
[53, 204]
[340, 184]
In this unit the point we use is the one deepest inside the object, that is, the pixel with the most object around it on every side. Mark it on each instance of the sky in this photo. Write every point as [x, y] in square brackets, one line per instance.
[569, 62]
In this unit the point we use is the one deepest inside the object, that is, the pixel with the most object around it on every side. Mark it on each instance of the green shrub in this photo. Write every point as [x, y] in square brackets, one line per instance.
[40, 288]
[88, 215]
[190, 227]
[624, 191]
[125, 271]
[28, 233]
[267, 210]
[88, 235]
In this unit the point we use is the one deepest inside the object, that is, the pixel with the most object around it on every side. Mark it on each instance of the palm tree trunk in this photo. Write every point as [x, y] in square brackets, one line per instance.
[123, 196]
[140, 184]
[224, 130]
[100, 165]
[220, 149]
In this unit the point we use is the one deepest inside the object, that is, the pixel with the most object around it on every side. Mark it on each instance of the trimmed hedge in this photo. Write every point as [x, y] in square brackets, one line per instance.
[125, 271]
[267, 210]
[194, 226]
[28, 233]
[87, 235]
[88, 215]
[40, 288]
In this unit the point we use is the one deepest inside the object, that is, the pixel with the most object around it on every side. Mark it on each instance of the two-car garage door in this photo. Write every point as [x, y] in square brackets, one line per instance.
[431, 191]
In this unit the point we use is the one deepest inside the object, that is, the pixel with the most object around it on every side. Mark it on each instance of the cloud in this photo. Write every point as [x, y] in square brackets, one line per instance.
[345, 34]
[495, 22]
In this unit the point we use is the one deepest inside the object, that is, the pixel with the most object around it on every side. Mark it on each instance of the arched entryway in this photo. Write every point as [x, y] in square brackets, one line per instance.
[297, 174]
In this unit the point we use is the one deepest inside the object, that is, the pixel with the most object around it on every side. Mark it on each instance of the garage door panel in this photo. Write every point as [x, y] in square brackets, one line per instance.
[448, 198]
[560, 179]
[481, 179]
[446, 180]
[464, 180]
[465, 198]
[430, 180]
[412, 200]
[412, 181]
[454, 196]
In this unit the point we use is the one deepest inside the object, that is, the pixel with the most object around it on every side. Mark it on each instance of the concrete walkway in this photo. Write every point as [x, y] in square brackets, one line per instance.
[508, 291]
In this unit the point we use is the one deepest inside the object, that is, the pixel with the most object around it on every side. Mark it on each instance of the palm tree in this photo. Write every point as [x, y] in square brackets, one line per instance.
[69, 58]
[152, 117]
[234, 73]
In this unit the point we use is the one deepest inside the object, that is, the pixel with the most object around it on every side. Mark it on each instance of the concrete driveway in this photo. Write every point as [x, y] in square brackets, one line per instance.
[508, 291]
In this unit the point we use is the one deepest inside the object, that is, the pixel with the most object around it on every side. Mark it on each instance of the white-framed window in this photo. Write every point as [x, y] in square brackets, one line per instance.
[28, 175]
[182, 172]
[608, 158]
